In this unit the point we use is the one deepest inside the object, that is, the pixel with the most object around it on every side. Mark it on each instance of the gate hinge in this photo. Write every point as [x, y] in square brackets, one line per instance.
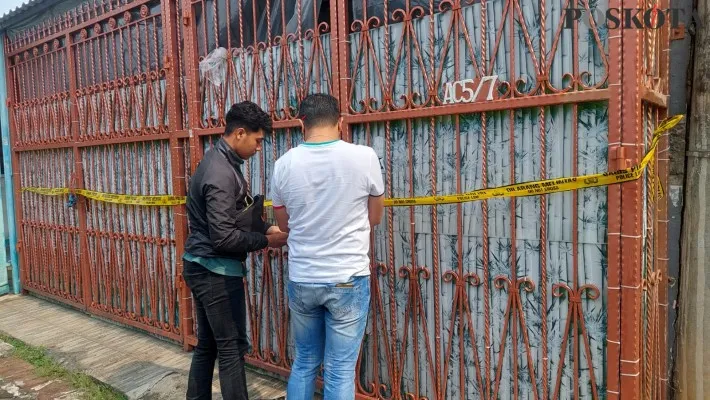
[186, 19]
[167, 63]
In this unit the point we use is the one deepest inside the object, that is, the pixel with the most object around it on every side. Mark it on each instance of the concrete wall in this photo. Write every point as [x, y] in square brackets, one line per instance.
[679, 85]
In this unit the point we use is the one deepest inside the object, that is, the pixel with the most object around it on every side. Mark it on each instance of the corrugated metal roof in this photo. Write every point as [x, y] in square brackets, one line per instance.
[26, 6]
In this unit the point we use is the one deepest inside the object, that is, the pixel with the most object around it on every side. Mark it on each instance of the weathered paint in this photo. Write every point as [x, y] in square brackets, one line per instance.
[8, 198]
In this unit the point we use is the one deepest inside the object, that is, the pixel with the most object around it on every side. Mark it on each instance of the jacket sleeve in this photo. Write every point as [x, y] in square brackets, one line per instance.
[221, 207]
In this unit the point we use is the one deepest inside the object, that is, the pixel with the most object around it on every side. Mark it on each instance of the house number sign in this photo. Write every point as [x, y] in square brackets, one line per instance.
[469, 90]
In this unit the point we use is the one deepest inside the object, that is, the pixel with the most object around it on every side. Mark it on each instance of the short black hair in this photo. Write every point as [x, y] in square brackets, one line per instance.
[249, 116]
[318, 110]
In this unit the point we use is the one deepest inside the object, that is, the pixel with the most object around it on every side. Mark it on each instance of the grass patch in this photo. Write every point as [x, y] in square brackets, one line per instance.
[46, 366]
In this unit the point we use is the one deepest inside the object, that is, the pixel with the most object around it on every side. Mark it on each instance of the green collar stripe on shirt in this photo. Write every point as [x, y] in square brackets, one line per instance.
[316, 144]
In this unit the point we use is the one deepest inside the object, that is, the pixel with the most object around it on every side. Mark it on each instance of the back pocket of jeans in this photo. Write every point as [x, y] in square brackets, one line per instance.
[348, 300]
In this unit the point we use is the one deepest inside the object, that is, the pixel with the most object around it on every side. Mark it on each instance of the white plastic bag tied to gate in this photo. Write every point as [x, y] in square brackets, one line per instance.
[214, 67]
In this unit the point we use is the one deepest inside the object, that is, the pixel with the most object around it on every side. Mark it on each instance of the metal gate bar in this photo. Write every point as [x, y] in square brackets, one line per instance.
[519, 298]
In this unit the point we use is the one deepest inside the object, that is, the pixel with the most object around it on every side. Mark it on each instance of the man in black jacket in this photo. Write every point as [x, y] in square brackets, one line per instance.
[225, 225]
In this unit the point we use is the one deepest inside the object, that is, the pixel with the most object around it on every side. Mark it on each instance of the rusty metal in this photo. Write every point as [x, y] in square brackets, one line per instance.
[91, 88]
[655, 368]
[613, 344]
[678, 33]
[505, 298]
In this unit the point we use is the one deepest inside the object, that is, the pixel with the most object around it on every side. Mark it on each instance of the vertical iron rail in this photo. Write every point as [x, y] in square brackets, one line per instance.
[177, 161]
[616, 53]
[662, 215]
[189, 36]
[79, 178]
[341, 57]
[335, 54]
[192, 80]
[632, 149]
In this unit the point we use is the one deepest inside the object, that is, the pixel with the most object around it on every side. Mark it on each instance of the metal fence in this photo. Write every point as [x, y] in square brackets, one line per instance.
[555, 296]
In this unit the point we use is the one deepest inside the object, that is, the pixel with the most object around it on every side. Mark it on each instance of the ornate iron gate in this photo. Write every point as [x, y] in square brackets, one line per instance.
[505, 298]
[94, 104]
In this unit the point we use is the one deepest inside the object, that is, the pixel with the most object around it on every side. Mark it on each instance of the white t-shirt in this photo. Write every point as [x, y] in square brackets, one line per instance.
[325, 188]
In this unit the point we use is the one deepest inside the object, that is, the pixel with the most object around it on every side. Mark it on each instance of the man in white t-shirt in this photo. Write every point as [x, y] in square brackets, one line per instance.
[327, 194]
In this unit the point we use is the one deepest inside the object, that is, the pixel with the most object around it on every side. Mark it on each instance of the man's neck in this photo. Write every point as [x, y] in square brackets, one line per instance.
[319, 135]
[231, 154]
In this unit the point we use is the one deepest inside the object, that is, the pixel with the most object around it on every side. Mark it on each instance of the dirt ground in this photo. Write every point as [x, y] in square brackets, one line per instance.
[19, 380]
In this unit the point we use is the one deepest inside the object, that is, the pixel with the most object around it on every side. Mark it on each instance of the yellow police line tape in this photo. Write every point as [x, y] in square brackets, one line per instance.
[138, 200]
[534, 188]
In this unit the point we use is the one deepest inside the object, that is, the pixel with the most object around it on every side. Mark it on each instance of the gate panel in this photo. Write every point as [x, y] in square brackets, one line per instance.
[276, 52]
[508, 299]
[429, 43]
[95, 91]
[50, 229]
[121, 96]
[473, 245]
[120, 75]
[42, 110]
[40, 120]
[655, 368]
[654, 75]
[505, 298]
[655, 375]
[131, 249]
[399, 66]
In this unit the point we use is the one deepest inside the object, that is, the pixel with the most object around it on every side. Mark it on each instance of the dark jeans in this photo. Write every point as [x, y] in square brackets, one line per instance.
[221, 333]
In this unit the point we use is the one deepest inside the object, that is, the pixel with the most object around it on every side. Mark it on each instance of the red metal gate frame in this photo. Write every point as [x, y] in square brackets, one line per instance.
[627, 95]
[74, 21]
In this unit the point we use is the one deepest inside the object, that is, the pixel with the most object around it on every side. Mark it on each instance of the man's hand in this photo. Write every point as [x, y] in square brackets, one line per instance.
[272, 230]
[277, 240]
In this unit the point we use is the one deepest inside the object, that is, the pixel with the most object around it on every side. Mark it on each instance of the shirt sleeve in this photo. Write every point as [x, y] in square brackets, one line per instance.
[375, 185]
[276, 199]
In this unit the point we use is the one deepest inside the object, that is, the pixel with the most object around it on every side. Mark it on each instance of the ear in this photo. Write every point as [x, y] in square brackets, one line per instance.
[240, 132]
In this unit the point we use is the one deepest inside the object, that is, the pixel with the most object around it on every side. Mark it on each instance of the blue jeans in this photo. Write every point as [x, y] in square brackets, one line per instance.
[328, 323]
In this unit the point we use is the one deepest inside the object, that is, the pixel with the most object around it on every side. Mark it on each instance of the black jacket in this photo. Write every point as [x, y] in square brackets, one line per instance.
[222, 222]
